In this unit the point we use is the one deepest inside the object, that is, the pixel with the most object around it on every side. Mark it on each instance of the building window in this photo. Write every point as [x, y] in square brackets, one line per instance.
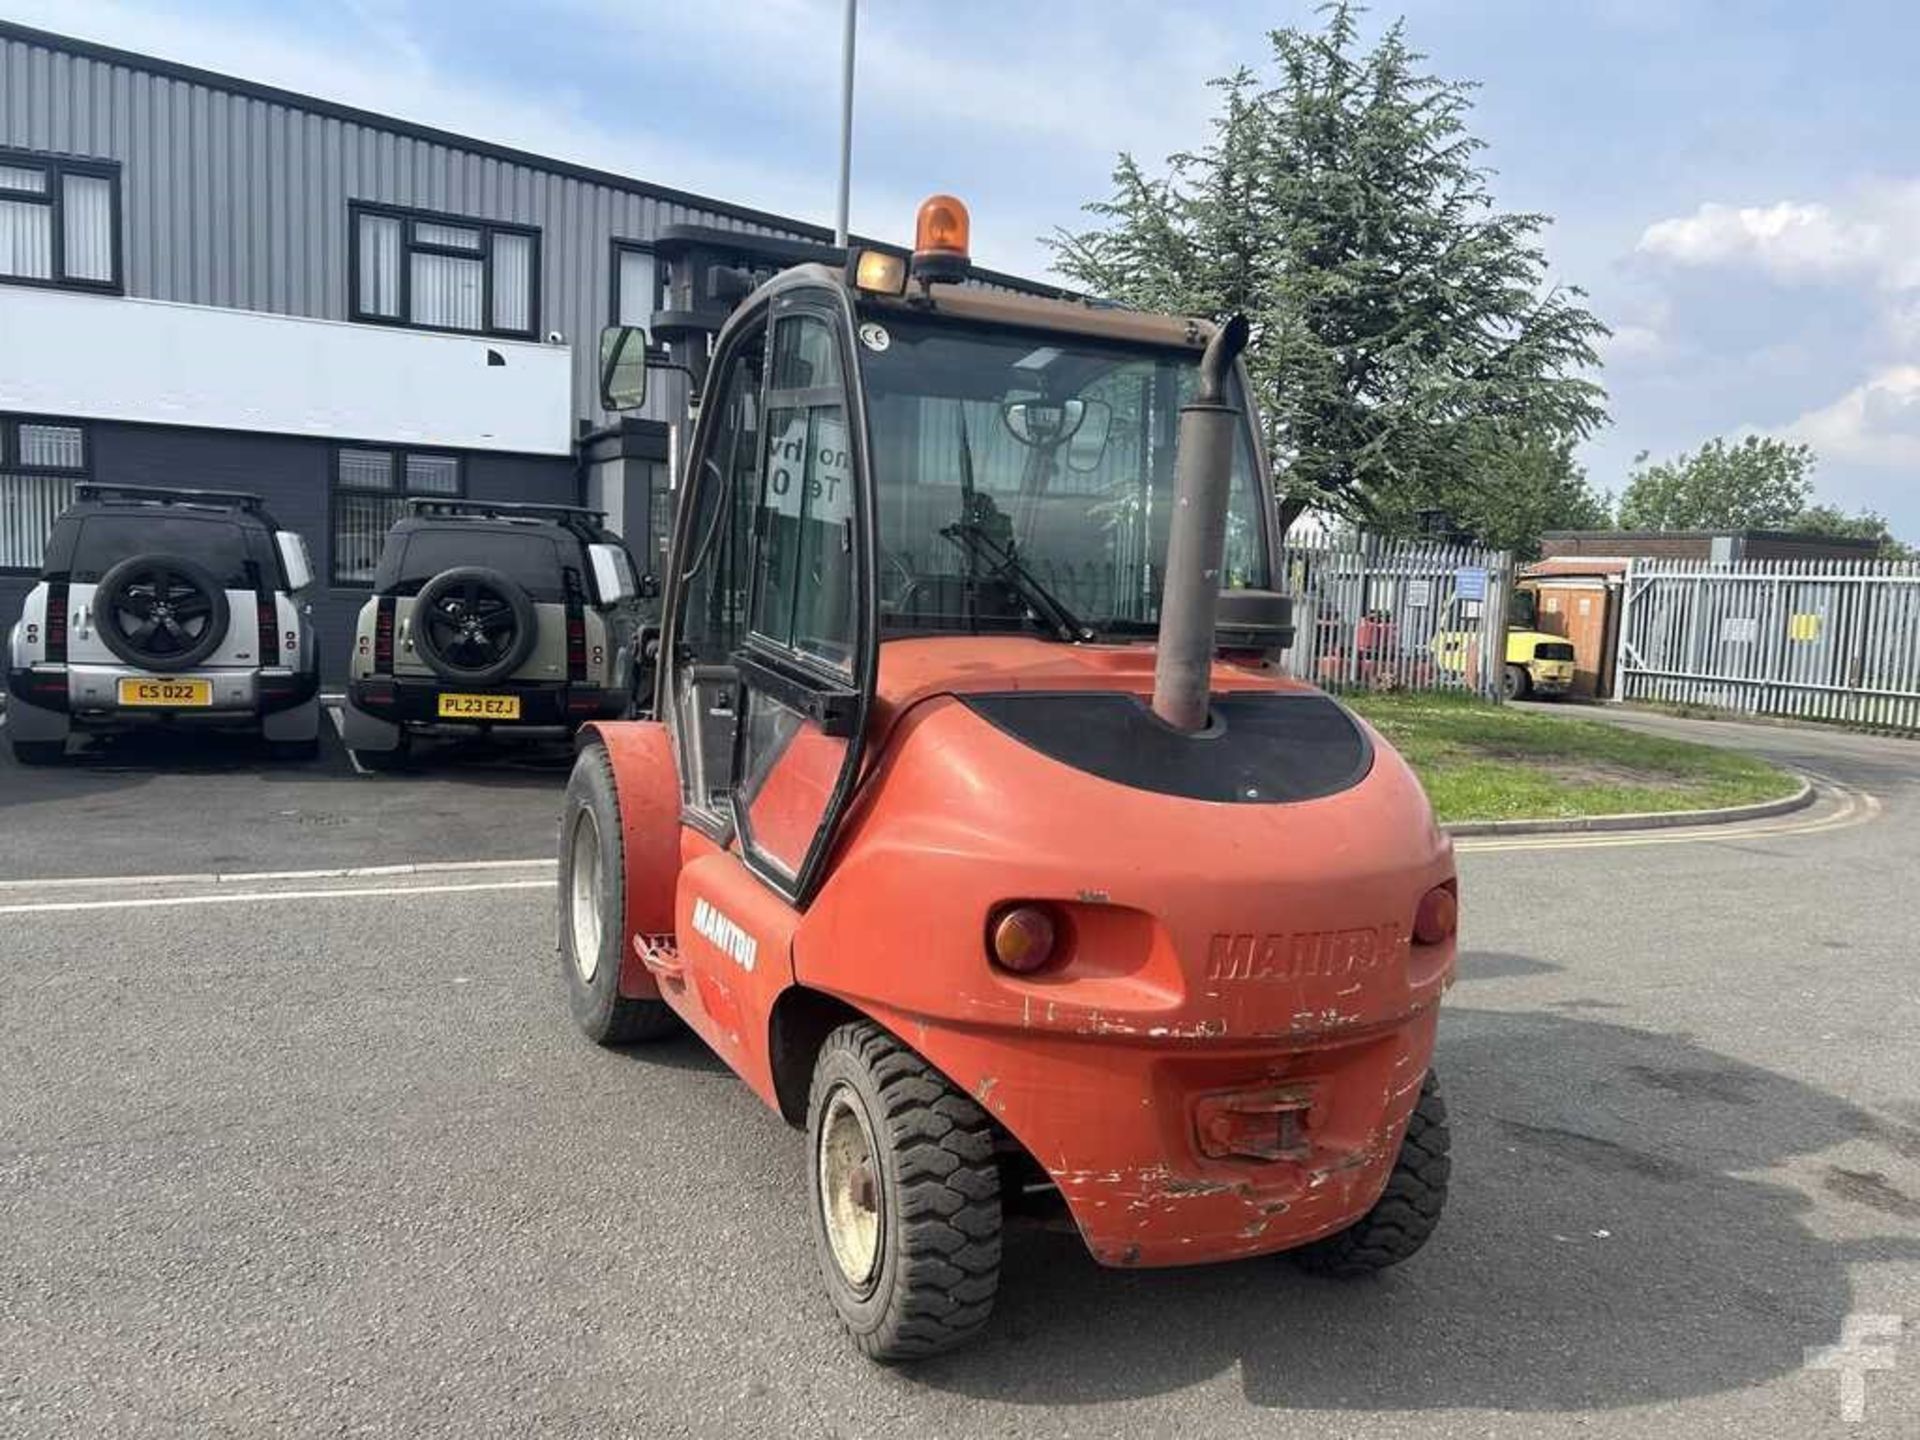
[370, 491]
[40, 461]
[441, 272]
[639, 284]
[59, 221]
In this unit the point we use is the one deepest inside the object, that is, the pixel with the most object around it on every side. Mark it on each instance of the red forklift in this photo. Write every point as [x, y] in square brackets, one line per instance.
[975, 826]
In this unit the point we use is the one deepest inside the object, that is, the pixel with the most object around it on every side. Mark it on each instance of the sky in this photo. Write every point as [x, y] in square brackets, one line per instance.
[1734, 183]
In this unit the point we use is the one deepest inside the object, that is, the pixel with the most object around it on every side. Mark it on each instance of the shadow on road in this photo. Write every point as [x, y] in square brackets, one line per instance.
[1604, 1245]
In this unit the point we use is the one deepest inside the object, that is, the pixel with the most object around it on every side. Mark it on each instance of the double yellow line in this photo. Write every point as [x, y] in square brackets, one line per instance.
[1855, 808]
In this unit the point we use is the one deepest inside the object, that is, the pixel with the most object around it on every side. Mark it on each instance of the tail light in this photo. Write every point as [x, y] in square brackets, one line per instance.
[57, 621]
[383, 636]
[269, 620]
[1023, 938]
[1438, 915]
[576, 631]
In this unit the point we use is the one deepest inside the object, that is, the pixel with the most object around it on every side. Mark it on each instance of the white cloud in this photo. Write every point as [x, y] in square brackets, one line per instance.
[1876, 423]
[1871, 235]
[1788, 240]
[1631, 343]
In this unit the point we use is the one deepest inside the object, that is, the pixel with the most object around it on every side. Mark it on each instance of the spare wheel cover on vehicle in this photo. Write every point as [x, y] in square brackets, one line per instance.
[160, 612]
[473, 626]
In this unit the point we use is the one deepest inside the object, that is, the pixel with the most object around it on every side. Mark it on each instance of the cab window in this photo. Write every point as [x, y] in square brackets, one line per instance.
[715, 603]
[803, 595]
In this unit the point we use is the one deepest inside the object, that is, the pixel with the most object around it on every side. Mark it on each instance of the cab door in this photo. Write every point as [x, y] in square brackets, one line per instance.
[771, 639]
[806, 658]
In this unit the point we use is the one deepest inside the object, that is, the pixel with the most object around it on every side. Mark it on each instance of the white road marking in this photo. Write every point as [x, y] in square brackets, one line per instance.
[154, 902]
[243, 877]
[340, 729]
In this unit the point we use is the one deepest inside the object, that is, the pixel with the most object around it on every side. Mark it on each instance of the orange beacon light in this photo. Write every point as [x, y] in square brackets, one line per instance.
[940, 239]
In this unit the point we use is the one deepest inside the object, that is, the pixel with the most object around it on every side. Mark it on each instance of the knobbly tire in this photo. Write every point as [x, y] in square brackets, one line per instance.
[909, 1245]
[1515, 683]
[1404, 1216]
[593, 919]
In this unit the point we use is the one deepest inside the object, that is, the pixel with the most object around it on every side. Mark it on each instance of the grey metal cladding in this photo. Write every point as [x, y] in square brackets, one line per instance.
[235, 195]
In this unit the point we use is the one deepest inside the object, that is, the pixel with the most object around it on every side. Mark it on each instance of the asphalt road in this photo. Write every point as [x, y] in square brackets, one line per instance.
[339, 1164]
[165, 804]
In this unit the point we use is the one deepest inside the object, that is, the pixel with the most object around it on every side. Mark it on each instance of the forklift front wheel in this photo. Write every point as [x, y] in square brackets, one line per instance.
[1515, 683]
[905, 1197]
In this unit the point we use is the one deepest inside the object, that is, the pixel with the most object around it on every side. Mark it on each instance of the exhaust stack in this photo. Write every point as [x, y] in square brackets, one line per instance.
[1196, 543]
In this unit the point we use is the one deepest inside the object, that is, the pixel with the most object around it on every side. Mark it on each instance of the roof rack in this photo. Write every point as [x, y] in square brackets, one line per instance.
[170, 495]
[578, 518]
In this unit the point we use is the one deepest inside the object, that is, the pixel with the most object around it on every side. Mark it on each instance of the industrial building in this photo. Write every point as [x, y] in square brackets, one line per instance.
[204, 281]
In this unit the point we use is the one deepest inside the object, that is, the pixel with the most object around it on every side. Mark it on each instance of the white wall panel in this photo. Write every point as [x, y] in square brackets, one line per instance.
[148, 361]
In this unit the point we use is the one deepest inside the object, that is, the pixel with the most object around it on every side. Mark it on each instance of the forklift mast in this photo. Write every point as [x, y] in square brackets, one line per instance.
[708, 273]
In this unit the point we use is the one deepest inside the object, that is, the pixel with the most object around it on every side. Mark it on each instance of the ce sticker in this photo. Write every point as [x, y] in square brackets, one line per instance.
[875, 337]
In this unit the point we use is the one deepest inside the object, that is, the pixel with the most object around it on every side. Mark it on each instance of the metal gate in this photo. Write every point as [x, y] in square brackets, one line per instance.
[1372, 613]
[1825, 639]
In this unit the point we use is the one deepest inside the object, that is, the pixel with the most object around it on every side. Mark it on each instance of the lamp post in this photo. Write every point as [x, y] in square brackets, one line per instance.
[846, 125]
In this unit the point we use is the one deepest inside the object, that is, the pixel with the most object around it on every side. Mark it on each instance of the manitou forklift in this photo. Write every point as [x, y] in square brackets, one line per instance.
[976, 827]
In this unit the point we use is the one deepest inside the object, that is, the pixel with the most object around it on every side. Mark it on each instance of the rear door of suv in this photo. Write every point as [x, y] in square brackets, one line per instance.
[529, 558]
[240, 559]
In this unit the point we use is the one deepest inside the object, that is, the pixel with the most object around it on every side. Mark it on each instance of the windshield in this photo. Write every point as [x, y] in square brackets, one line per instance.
[1053, 453]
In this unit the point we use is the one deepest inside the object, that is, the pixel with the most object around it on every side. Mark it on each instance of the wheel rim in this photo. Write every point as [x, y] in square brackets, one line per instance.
[471, 626]
[160, 612]
[583, 895]
[849, 1189]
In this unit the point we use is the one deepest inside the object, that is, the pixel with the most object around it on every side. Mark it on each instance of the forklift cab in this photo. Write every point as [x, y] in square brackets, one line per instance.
[866, 468]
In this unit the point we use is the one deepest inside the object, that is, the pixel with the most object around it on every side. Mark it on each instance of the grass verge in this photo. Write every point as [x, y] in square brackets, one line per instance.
[1491, 762]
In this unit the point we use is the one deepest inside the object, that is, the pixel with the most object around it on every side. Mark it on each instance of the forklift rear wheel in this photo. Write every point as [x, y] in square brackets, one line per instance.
[905, 1197]
[1408, 1209]
[1515, 684]
[593, 867]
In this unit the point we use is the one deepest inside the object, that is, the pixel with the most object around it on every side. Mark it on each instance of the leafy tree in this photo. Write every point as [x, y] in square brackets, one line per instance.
[1406, 347]
[1863, 525]
[1513, 496]
[1759, 484]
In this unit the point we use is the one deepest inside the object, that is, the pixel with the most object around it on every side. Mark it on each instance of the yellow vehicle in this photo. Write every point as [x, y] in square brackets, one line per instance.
[1536, 664]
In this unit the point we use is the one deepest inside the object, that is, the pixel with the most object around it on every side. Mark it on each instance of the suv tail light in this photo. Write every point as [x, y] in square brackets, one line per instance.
[269, 620]
[57, 620]
[576, 631]
[383, 636]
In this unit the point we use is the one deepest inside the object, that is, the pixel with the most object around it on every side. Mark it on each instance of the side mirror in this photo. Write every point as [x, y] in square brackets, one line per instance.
[1089, 443]
[612, 573]
[623, 367]
[294, 560]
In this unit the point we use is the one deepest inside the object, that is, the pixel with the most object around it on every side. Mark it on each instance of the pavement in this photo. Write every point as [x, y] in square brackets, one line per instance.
[324, 1155]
